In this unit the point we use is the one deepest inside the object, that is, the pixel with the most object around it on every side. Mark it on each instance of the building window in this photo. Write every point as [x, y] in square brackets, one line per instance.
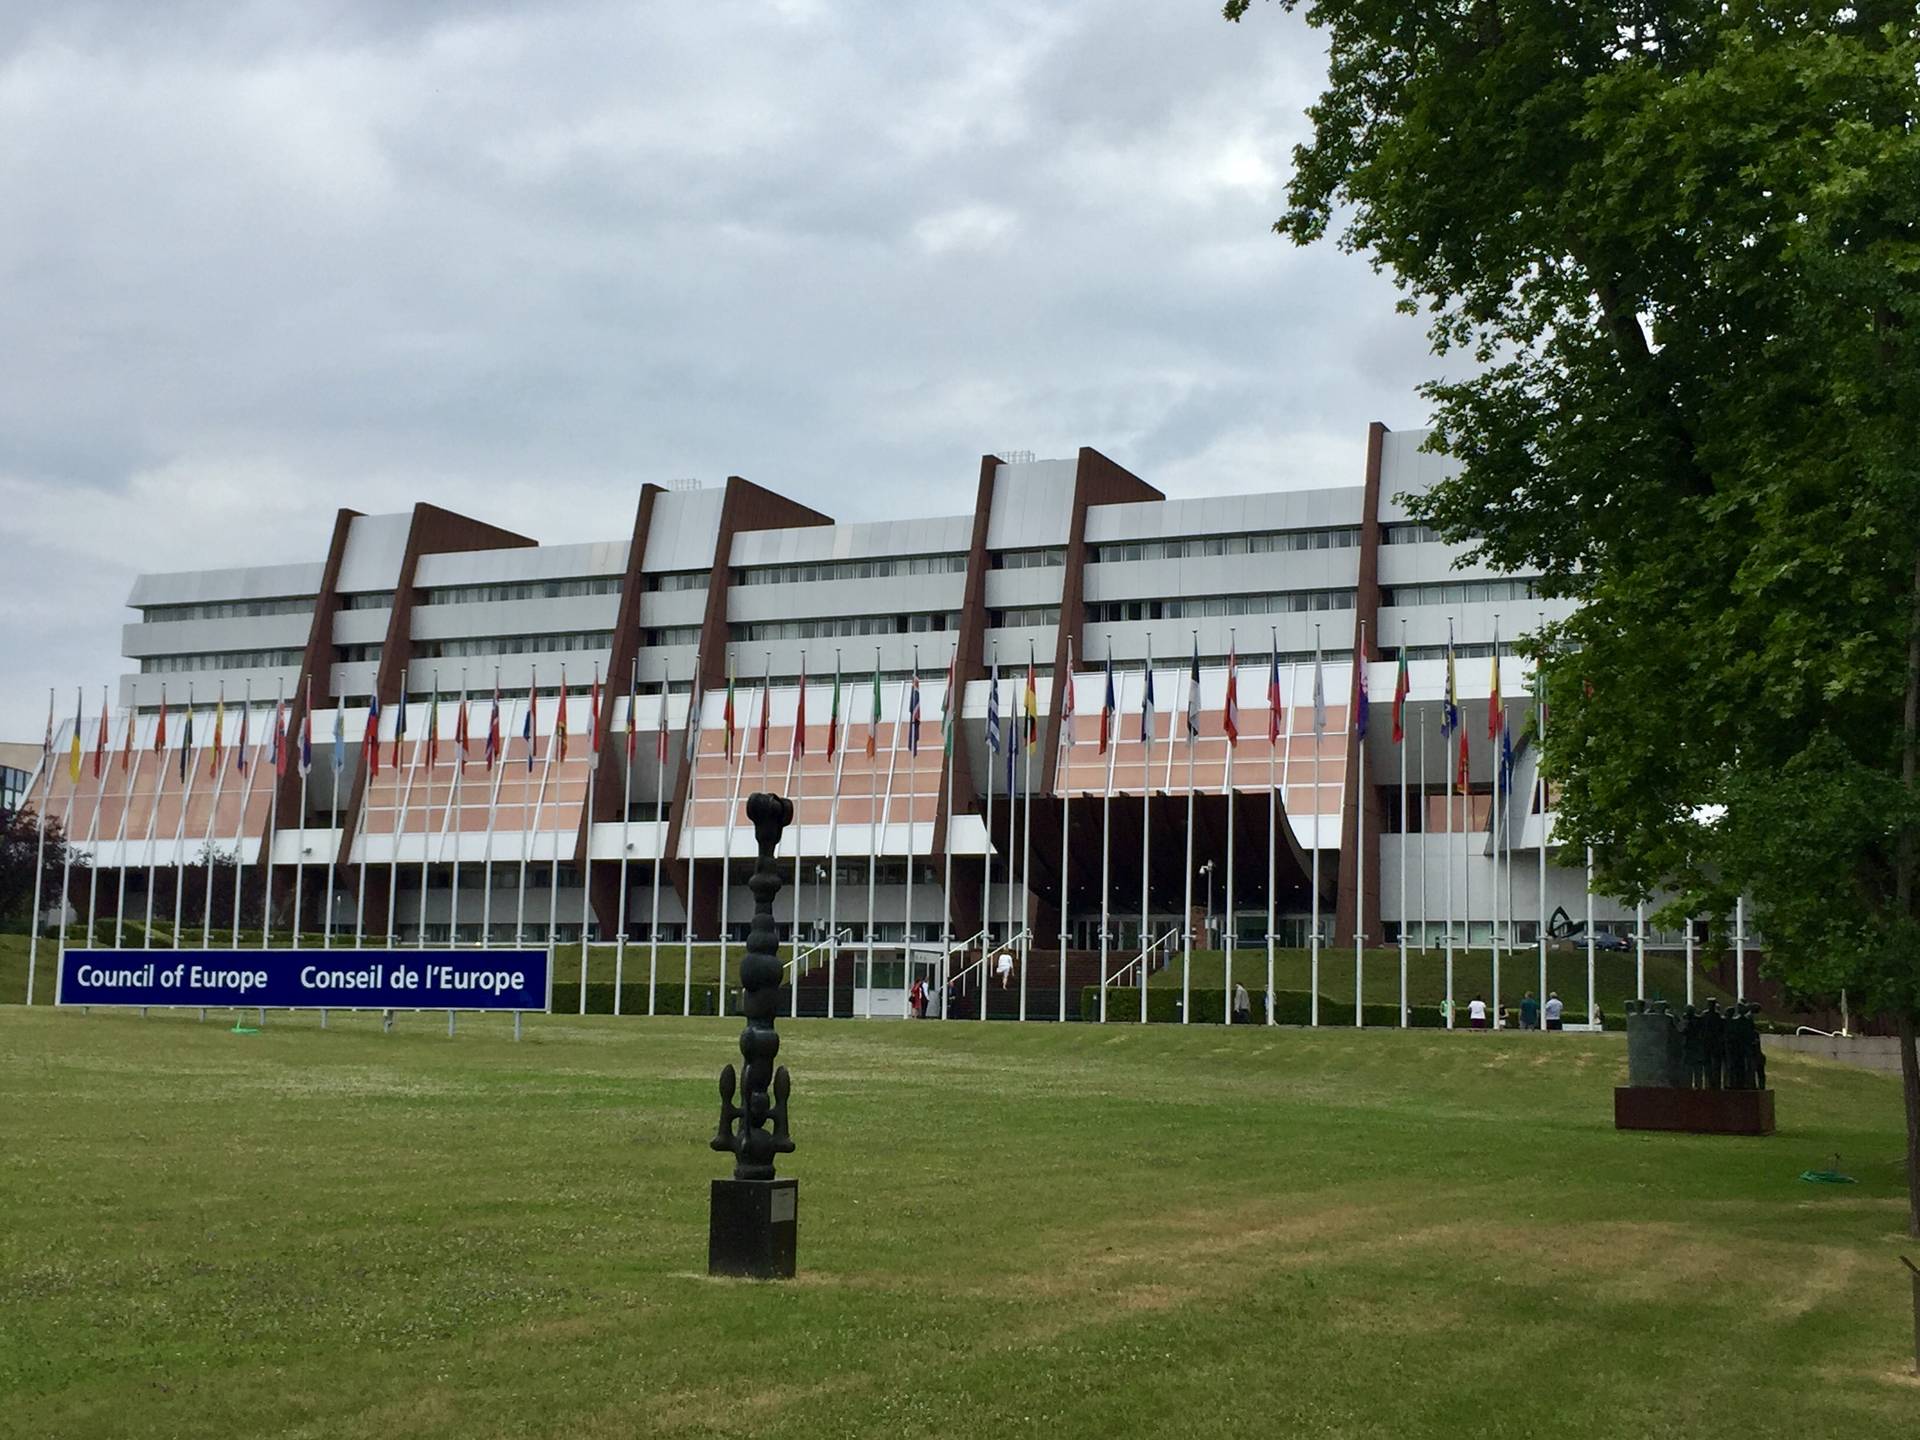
[671, 635]
[227, 609]
[876, 568]
[518, 590]
[356, 654]
[1031, 615]
[1409, 535]
[680, 580]
[367, 600]
[1463, 592]
[514, 644]
[837, 625]
[1271, 542]
[1040, 559]
[219, 660]
[1192, 607]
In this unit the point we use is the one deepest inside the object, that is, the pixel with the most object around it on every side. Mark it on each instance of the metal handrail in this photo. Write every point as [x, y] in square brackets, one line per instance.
[839, 937]
[1141, 959]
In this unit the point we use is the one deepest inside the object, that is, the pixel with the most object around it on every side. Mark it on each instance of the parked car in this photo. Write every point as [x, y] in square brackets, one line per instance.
[1604, 941]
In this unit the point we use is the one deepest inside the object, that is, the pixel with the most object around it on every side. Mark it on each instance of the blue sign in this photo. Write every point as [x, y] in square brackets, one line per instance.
[308, 979]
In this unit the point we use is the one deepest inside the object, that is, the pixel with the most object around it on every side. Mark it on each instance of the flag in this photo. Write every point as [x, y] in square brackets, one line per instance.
[633, 715]
[218, 753]
[399, 729]
[1506, 758]
[1066, 699]
[46, 744]
[126, 744]
[246, 717]
[371, 741]
[1193, 697]
[693, 711]
[913, 714]
[1146, 703]
[993, 709]
[1273, 699]
[833, 718]
[433, 727]
[529, 722]
[1230, 715]
[800, 715]
[1319, 700]
[1013, 748]
[1032, 702]
[1362, 708]
[1401, 685]
[1450, 708]
[1109, 707]
[560, 720]
[948, 715]
[727, 714]
[306, 736]
[73, 747]
[278, 750]
[339, 736]
[593, 721]
[873, 716]
[493, 727]
[660, 728]
[1496, 712]
[766, 703]
[462, 739]
[186, 739]
[1462, 778]
[100, 745]
[159, 728]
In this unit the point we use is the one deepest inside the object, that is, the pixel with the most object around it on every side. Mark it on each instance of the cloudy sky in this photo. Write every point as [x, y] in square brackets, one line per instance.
[265, 258]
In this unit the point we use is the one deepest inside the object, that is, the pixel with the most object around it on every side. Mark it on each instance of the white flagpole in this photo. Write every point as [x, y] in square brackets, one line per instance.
[1640, 949]
[1112, 722]
[93, 827]
[726, 851]
[913, 808]
[190, 766]
[528, 826]
[134, 759]
[632, 753]
[432, 733]
[1186, 918]
[1739, 951]
[1286, 755]
[561, 706]
[456, 815]
[305, 761]
[986, 868]
[1493, 892]
[877, 839]
[689, 825]
[1319, 732]
[1540, 787]
[1689, 959]
[273, 820]
[1405, 831]
[1590, 946]
[1360, 854]
[1273, 821]
[949, 742]
[206, 842]
[66, 859]
[493, 814]
[1026, 856]
[594, 739]
[1146, 847]
[1066, 791]
[796, 784]
[400, 820]
[40, 848]
[153, 825]
[659, 838]
[1013, 813]
[246, 799]
[369, 758]
[1426, 816]
[1446, 841]
[1226, 928]
[833, 847]
[333, 833]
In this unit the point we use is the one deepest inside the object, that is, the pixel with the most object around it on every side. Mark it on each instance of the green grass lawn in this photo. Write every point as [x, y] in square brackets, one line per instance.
[1004, 1231]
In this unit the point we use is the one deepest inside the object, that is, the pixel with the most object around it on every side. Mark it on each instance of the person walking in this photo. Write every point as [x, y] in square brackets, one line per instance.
[1476, 1014]
[1242, 1006]
[1529, 1012]
[1555, 1011]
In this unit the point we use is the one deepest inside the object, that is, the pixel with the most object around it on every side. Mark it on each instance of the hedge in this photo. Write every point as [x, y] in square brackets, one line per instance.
[633, 999]
[1290, 1007]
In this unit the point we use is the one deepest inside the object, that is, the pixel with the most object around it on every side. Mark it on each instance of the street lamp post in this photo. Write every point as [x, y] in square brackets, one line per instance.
[1207, 870]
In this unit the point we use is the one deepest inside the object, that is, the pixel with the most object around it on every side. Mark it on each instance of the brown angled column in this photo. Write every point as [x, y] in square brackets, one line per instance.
[1366, 609]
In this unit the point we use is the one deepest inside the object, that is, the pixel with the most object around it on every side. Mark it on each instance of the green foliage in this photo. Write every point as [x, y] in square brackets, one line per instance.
[633, 999]
[1679, 243]
[1290, 1007]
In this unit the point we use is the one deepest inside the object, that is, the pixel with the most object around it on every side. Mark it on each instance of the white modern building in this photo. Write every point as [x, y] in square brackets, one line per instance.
[1067, 566]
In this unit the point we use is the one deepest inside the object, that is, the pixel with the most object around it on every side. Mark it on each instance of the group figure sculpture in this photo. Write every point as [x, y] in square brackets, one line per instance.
[1705, 1049]
[763, 1089]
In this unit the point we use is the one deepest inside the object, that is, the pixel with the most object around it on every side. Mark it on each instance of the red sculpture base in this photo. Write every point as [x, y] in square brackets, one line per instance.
[1696, 1112]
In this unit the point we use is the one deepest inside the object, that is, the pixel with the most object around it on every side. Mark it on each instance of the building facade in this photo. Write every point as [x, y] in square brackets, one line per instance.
[627, 816]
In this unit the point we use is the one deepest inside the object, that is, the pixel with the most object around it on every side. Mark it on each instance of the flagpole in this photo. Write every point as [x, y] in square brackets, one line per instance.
[40, 848]
[1013, 817]
[304, 761]
[796, 785]
[1319, 732]
[246, 798]
[626, 826]
[153, 823]
[279, 760]
[1067, 710]
[1273, 809]
[553, 851]
[368, 769]
[877, 836]
[498, 746]
[1226, 929]
[73, 804]
[400, 814]
[206, 842]
[1149, 723]
[1110, 727]
[913, 812]
[1493, 895]
[986, 852]
[189, 767]
[1360, 848]
[1540, 783]
[1186, 918]
[839, 741]
[131, 763]
[1590, 946]
[1405, 831]
[689, 824]
[93, 827]
[1026, 839]
[335, 765]
[456, 817]
[431, 742]
[586, 865]
[659, 834]
[726, 849]
[949, 741]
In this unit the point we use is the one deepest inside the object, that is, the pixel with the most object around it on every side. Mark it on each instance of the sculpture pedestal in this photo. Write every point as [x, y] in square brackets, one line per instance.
[751, 1227]
[1696, 1112]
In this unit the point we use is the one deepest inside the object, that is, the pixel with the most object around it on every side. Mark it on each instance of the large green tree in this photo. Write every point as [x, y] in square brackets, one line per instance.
[1674, 246]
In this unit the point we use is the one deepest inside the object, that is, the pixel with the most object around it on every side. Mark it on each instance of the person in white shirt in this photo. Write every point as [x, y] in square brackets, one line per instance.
[1003, 967]
[1477, 1013]
[1554, 1012]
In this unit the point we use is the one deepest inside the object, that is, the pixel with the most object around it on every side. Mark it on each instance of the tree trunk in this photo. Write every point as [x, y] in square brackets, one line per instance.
[1910, 1084]
[1904, 900]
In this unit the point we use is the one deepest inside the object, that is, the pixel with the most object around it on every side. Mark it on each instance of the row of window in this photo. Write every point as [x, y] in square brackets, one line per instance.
[1031, 615]
[357, 654]
[1437, 652]
[679, 580]
[1409, 535]
[219, 660]
[1462, 592]
[850, 569]
[837, 625]
[228, 609]
[520, 590]
[1192, 607]
[1041, 559]
[672, 635]
[488, 645]
[1271, 542]
[367, 600]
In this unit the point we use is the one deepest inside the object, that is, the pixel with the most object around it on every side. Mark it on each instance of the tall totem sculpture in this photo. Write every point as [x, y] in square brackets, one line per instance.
[752, 1217]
